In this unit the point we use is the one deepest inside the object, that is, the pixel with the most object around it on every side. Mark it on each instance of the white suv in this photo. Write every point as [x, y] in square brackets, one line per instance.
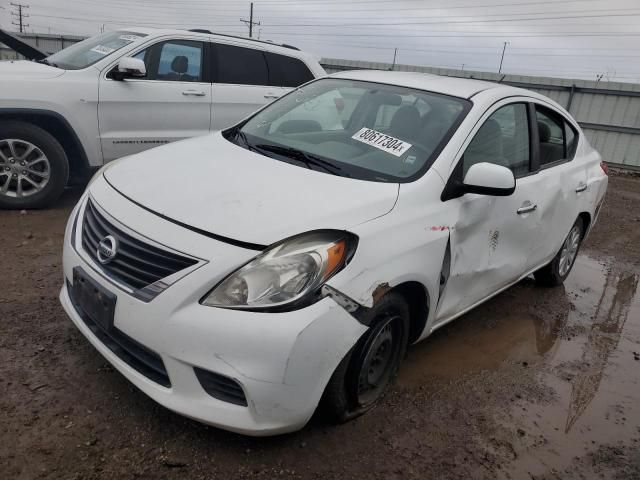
[126, 91]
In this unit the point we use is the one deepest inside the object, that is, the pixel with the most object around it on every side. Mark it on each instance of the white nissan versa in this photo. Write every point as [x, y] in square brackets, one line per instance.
[245, 277]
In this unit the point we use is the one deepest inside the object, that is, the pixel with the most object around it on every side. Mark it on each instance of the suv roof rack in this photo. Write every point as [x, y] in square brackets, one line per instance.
[209, 32]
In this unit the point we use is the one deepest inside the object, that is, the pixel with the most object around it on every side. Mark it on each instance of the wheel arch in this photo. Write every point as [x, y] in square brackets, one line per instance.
[417, 297]
[58, 126]
[586, 220]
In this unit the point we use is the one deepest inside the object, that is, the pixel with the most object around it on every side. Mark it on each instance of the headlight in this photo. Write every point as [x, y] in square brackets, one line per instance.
[286, 273]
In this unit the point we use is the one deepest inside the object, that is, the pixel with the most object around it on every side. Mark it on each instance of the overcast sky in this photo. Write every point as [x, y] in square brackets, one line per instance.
[567, 38]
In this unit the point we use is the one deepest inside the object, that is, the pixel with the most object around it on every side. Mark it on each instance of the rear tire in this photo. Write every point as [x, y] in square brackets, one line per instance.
[33, 166]
[370, 367]
[555, 272]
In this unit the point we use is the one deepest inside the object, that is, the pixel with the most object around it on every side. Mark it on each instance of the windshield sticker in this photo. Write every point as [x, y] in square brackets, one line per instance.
[102, 50]
[383, 142]
[129, 38]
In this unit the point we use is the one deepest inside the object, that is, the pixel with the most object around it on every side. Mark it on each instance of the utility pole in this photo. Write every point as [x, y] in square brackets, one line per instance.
[250, 22]
[393, 66]
[504, 47]
[20, 16]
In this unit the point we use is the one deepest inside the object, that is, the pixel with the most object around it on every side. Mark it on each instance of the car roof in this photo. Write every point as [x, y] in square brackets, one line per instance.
[454, 86]
[251, 42]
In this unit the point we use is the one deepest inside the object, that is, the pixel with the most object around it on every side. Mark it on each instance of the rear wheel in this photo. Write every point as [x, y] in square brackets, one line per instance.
[556, 271]
[366, 372]
[33, 166]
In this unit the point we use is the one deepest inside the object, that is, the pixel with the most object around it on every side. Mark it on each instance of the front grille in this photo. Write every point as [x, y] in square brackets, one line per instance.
[133, 353]
[136, 264]
[221, 387]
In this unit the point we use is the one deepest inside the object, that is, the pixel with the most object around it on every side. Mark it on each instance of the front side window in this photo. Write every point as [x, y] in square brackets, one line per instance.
[334, 125]
[503, 139]
[240, 66]
[173, 61]
[92, 50]
[558, 140]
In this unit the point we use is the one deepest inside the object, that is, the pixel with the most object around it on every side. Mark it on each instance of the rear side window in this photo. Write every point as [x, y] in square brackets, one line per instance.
[286, 71]
[239, 65]
[558, 139]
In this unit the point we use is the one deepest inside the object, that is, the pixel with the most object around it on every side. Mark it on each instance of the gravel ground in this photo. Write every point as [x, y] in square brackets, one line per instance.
[536, 383]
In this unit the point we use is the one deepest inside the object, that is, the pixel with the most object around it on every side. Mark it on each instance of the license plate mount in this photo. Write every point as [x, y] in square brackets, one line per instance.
[95, 301]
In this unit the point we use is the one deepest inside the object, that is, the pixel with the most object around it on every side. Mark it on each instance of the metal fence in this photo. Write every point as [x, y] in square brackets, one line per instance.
[48, 43]
[609, 112]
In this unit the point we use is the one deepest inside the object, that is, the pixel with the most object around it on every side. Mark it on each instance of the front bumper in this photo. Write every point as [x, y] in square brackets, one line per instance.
[282, 361]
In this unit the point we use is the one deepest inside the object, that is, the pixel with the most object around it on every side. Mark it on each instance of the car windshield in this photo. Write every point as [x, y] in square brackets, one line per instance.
[358, 129]
[91, 50]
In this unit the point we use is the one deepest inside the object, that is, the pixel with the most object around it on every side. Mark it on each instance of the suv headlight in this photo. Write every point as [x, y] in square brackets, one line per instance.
[286, 273]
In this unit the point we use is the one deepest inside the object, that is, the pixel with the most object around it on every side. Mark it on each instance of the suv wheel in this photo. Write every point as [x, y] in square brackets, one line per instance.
[33, 166]
[364, 375]
[555, 272]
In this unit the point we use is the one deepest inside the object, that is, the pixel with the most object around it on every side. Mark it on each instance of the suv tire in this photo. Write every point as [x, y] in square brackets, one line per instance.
[34, 168]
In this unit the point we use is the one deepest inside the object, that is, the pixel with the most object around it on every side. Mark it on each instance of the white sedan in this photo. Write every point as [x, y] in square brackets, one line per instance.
[289, 261]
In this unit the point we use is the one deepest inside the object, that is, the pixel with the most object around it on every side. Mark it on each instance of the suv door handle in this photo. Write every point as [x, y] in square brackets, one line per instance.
[194, 93]
[271, 95]
[530, 207]
[581, 188]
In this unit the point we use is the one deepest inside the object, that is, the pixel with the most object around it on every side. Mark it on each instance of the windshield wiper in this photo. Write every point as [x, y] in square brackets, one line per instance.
[306, 158]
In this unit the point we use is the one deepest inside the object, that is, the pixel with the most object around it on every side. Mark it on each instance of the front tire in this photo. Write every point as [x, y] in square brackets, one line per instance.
[556, 271]
[366, 372]
[33, 166]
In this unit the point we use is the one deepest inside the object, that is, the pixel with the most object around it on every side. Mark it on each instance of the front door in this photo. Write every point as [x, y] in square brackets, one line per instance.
[173, 101]
[492, 239]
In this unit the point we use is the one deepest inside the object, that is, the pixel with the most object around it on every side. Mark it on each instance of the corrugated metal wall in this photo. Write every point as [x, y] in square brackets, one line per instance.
[609, 112]
[45, 42]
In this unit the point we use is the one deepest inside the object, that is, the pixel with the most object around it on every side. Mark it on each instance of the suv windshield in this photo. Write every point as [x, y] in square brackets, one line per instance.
[359, 129]
[91, 50]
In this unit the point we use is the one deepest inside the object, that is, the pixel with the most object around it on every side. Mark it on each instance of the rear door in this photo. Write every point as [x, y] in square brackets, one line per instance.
[173, 101]
[245, 79]
[562, 181]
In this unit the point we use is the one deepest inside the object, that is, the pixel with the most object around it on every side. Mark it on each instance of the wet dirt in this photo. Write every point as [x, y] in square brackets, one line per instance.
[536, 383]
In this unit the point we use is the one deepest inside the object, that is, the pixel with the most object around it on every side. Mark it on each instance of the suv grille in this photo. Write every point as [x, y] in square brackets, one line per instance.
[136, 264]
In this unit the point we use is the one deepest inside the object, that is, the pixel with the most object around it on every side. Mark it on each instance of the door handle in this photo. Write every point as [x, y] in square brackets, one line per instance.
[193, 93]
[581, 188]
[527, 209]
[270, 95]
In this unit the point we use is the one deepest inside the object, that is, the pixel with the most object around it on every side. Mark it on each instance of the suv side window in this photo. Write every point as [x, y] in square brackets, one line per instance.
[286, 71]
[239, 65]
[503, 139]
[173, 61]
[558, 139]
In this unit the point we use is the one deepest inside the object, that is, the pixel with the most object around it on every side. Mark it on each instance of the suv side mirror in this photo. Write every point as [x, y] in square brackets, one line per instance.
[129, 67]
[489, 179]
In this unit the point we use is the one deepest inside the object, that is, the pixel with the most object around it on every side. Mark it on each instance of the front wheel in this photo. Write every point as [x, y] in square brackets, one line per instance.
[556, 271]
[33, 166]
[366, 372]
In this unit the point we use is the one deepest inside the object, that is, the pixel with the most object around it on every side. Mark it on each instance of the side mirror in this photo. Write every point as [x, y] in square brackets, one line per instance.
[489, 179]
[129, 67]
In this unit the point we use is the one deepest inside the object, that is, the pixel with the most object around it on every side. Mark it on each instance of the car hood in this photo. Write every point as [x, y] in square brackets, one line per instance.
[20, 46]
[214, 185]
[24, 69]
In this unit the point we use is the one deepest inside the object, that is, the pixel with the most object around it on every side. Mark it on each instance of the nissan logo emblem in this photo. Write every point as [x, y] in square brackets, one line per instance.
[107, 249]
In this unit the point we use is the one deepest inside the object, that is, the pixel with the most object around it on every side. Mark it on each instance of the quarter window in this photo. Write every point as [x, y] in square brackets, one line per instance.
[503, 139]
[238, 65]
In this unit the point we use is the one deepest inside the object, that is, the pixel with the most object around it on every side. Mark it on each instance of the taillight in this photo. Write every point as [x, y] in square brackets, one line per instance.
[604, 168]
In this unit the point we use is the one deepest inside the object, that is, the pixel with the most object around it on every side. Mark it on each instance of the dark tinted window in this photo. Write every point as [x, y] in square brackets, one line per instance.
[503, 139]
[174, 60]
[240, 65]
[286, 71]
[558, 140]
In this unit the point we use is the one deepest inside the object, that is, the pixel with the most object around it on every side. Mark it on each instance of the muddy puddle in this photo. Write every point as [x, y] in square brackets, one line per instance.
[582, 341]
